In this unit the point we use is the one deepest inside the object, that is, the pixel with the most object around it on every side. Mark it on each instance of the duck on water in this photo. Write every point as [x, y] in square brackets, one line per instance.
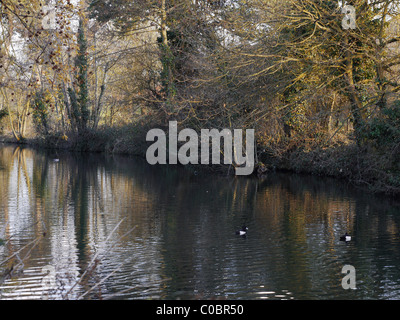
[242, 231]
[346, 237]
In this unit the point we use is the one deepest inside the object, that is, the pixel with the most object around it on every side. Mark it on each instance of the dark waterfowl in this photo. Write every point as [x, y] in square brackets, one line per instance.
[346, 237]
[242, 231]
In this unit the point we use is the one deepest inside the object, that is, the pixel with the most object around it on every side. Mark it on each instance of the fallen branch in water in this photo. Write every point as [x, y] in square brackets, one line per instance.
[95, 261]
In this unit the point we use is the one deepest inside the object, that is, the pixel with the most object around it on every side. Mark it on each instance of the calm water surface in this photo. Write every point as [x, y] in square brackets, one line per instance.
[168, 233]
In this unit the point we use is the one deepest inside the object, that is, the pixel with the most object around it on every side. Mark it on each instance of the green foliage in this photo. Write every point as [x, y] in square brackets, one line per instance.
[174, 56]
[40, 112]
[82, 78]
[3, 114]
[75, 112]
[167, 72]
[385, 130]
[79, 95]
[124, 13]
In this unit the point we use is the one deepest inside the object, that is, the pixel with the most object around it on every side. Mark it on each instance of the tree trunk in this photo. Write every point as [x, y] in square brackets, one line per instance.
[167, 60]
[353, 95]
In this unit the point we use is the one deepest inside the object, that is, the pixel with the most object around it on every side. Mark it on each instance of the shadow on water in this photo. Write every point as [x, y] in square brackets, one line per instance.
[184, 245]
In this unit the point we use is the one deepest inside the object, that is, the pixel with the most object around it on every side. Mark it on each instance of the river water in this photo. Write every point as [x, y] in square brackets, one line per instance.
[93, 226]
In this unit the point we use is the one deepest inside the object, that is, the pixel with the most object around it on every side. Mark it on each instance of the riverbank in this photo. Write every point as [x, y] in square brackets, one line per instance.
[121, 140]
[363, 166]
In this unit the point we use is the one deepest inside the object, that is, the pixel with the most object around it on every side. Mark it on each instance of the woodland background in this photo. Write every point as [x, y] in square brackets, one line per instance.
[97, 75]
